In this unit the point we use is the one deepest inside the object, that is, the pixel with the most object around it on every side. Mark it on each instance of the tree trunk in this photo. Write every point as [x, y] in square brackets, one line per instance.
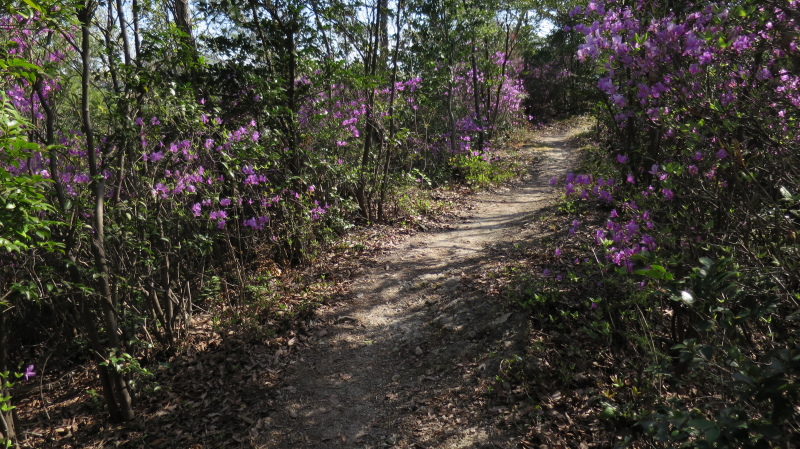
[123, 31]
[392, 94]
[383, 29]
[136, 41]
[264, 54]
[476, 90]
[50, 139]
[371, 70]
[8, 427]
[72, 268]
[507, 49]
[292, 92]
[476, 94]
[97, 187]
[180, 9]
[451, 115]
[288, 24]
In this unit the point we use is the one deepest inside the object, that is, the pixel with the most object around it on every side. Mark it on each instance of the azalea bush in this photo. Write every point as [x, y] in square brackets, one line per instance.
[701, 110]
[699, 114]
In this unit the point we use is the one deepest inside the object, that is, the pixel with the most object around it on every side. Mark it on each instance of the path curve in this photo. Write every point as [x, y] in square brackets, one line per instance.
[407, 359]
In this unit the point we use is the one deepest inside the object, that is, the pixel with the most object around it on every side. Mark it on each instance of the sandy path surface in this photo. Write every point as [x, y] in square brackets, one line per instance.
[406, 361]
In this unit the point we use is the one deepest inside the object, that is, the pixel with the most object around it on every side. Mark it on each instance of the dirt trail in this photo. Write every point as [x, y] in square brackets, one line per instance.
[407, 360]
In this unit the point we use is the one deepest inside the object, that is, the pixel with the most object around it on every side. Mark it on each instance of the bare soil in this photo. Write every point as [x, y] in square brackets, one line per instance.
[415, 356]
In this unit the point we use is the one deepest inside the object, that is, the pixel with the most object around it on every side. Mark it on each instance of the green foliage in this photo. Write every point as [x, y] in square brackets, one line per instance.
[711, 329]
[761, 389]
[558, 84]
[22, 198]
[6, 384]
[129, 367]
[476, 171]
[716, 174]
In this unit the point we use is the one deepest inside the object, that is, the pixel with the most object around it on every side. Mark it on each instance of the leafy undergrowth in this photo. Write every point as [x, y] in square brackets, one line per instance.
[208, 391]
[580, 377]
[663, 356]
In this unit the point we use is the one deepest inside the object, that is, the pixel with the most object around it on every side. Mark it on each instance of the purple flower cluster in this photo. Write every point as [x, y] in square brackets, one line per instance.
[712, 95]
[665, 63]
[585, 187]
[505, 101]
[627, 237]
[626, 232]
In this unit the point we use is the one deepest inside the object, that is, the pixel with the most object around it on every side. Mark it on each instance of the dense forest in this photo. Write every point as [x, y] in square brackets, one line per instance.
[161, 161]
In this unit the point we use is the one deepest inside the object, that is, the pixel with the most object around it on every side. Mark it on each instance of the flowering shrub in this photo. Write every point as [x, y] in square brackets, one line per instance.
[703, 108]
[177, 167]
[700, 113]
[502, 104]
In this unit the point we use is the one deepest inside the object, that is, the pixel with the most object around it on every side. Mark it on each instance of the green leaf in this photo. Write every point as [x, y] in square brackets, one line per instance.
[712, 434]
[6, 407]
[655, 272]
[700, 424]
[16, 62]
[34, 5]
[743, 378]
[768, 431]
[609, 412]
[705, 325]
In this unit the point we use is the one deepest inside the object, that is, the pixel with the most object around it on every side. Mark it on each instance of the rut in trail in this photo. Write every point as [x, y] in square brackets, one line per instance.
[405, 360]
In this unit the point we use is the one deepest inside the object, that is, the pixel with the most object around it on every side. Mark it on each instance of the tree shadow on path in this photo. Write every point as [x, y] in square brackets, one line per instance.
[415, 357]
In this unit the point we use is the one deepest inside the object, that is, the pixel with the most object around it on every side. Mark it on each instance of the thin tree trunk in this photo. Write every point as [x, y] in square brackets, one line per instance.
[110, 51]
[50, 140]
[166, 338]
[476, 90]
[508, 49]
[264, 54]
[383, 29]
[392, 121]
[72, 268]
[106, 376]
[328, 49]
[361, 196]
[123, 31]
[292, 92]
[136, 40]
[289, 27]
[183, 21]
[97, 186]
[370, 69]
[451, 115]
[7, 418]
[477, 97]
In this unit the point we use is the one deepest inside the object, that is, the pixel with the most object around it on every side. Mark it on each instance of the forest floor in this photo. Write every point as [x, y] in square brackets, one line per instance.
[408, 359]
[412, 348]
